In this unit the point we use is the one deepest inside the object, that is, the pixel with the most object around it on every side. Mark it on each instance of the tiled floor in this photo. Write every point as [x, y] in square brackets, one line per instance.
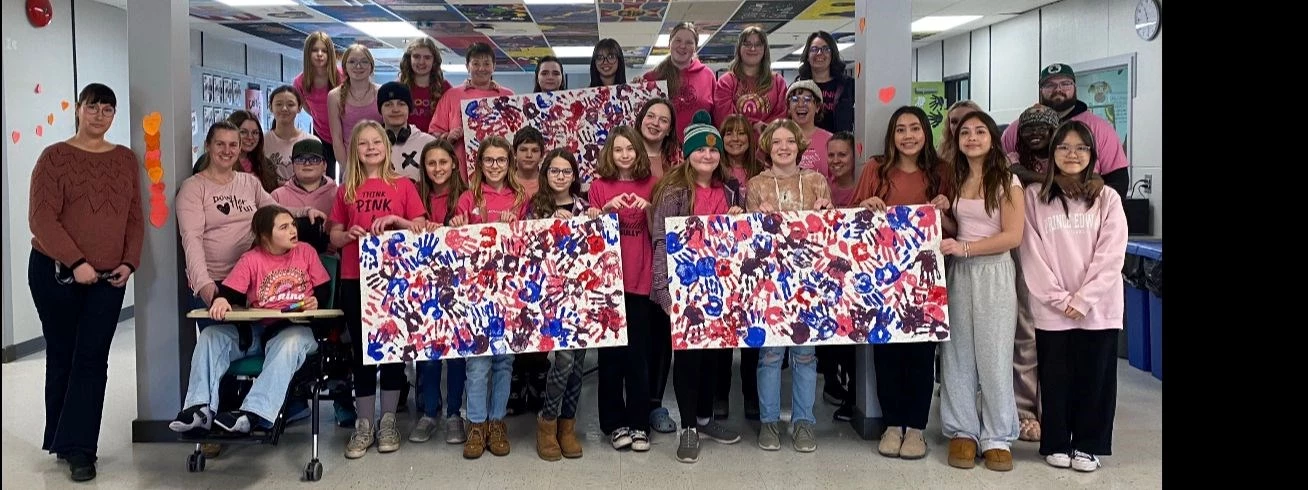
[841, 461]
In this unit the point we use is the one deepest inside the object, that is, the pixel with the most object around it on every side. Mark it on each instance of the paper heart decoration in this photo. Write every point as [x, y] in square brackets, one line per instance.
[38, 88]
[151, 122]
[862, 24]
[886, 94]
[14, 136]
[858, 69]
[859, 150]
[49, 119]
[40, 130]
[63, 104]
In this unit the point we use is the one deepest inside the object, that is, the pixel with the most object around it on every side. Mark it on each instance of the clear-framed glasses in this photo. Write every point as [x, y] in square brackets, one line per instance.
[560, 172]
[358, 63]
[249, 133]
[100, 110]
[753, 45]
[1065, 149]
[495, 162]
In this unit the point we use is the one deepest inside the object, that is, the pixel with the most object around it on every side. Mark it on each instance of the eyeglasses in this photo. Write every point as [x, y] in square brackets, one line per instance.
[1069, 148]
[495, 162]
[354, 63]
[807, 99]
[1058, 85]
[606, 58]
[100, 110]
[560, 172]
[753, 46]
[308, 160]
[249, 132]
[819, 50]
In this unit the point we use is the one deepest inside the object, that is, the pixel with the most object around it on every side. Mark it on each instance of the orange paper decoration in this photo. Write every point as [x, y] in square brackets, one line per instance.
[154, 168]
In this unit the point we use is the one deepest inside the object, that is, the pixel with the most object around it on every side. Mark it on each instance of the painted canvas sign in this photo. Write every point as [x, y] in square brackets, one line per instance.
[578, 119]
[477, 290]
[846, 276]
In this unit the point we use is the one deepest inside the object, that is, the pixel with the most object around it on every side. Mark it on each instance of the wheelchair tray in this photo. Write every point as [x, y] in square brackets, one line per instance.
[253, 314]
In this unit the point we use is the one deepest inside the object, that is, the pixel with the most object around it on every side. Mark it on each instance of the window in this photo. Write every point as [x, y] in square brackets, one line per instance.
[958, 88]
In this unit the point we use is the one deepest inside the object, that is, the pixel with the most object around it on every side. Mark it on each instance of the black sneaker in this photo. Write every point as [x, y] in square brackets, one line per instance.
[235, 421]
[81, 467]
[192, 418]
[844, 413]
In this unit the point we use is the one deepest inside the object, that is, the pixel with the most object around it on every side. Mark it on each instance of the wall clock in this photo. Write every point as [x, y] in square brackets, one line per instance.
[1147, 19]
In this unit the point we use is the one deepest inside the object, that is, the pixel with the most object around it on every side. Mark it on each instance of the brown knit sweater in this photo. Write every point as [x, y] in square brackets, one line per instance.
[86, 207]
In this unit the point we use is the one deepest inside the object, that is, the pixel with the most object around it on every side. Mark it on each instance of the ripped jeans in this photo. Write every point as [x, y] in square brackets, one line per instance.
[803, 383]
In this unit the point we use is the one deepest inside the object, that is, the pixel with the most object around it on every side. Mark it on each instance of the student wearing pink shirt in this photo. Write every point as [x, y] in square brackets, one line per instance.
[354, 101]
[320, 75]
[1072, 254]
[805, 108]
[309, 188]
[623, 185]
[750, 87]
[690, 82]
[372, 199]
[447, 120]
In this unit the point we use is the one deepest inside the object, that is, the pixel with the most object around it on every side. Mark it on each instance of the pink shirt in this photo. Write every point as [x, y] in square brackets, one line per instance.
[815, 157]
[354, 114]
[732, 97]
[973, 222]
[278, 152]
[696, 94]
[292, 195]
[633, 226]
[374, 199]
[440, 210]
[448, 116]
[277, 281]
[1107, 145]
[496, 202]
[315, 103]
[214, 221]
[710, 200]
[1074, 258]
[843, 197]
[423, 107]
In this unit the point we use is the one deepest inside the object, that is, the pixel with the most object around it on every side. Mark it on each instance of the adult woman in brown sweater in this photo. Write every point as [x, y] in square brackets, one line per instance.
[87, 227]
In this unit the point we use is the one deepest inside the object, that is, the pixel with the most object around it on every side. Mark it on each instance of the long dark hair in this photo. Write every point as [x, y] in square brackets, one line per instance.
[1051, 189]
[996, 177]
[542, 204]
[563, 82]
[455, 184]
[750, 161]
[259, 164]
[669, 145]
[837, 65]
[265, 219]
[299, 102]
[927, 159]
[607, 45]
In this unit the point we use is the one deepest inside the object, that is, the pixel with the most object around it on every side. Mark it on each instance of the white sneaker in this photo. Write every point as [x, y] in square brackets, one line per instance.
[1085, 462]
[1059, 460]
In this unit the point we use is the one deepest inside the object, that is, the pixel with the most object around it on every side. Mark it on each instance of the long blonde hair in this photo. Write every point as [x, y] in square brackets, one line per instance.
[475, 180]
[345, 84]
[763, 82]
[355, 173]
[408, 77]
[668, 71]
[306, 79]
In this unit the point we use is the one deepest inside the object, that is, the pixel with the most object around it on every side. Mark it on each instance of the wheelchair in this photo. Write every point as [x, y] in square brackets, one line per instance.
[325, 375]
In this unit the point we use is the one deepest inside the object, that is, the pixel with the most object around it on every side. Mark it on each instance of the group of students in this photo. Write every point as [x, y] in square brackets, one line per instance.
[247, 226]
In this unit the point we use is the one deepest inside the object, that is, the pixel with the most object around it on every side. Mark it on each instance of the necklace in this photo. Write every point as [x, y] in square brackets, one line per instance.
[361, 98]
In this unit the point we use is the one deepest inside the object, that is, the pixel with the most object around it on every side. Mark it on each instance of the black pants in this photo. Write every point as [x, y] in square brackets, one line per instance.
[329, 154]
[905, 378]
[660, 355]
[694, 379]
[78, 323]
[527, 388]
[625, 371]
[748, 375]
[1078, 390]
[836, 363]
[365, 377]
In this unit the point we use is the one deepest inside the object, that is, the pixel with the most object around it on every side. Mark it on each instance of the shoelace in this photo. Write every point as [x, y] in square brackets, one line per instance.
[1083, 456]
[691, 438]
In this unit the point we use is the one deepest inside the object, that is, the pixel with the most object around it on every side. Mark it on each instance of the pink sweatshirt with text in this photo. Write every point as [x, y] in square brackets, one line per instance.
[1074, 259]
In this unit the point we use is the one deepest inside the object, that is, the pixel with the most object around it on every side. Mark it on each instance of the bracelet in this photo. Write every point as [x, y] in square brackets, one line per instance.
[966, 252]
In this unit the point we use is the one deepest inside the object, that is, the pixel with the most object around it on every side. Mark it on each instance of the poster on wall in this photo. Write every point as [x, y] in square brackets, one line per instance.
[930, 97]
[254, 102]
[206, 88]
[1107, 93]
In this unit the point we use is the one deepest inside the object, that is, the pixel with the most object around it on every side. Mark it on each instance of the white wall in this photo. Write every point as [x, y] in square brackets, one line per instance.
[1006, 59]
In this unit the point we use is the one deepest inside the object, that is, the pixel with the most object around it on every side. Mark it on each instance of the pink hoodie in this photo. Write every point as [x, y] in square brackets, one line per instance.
[1074, 259]
[732, 97]
[696, 94]
[291, 195]
[447, 117]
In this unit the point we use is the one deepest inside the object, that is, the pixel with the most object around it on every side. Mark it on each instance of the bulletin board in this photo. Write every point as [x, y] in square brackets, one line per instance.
[215, 94]
[1107, 86]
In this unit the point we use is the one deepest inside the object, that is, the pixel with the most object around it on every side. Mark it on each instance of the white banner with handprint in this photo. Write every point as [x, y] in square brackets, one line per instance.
[477, 290]
[842, 276]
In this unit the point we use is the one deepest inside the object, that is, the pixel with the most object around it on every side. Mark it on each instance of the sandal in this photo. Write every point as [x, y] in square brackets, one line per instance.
[1030, 430]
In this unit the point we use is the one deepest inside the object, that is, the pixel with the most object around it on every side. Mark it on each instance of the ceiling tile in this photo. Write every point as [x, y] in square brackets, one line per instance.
[633, 12]
[370, 13]
[435, 11]
[503, 12]
[830, 9]
[568, 13]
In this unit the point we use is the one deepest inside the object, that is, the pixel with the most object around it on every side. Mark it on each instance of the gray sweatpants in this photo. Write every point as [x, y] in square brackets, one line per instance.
[979, 353]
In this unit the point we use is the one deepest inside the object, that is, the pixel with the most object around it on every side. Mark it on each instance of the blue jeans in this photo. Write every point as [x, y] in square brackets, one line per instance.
[803, 383]
[430, 387]
[488, 373]
[218, 345]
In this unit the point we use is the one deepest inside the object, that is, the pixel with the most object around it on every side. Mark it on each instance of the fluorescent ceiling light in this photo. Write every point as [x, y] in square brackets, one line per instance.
[573, 51]
[554, 2]
[839, 47]
[785, 65]
[655, 60]
[454, 68]
[397, 29]
[941, 23]
[664, 39]
[256, 3]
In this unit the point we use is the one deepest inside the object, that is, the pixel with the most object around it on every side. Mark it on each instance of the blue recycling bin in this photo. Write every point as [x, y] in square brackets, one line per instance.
[1136, 309]
[1152, 253]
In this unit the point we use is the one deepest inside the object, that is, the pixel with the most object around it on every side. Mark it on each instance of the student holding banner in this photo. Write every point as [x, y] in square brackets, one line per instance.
[447, 120]
[699, 187]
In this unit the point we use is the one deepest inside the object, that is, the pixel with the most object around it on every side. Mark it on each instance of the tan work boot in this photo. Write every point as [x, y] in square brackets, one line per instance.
[568, 443]
[547, 441]
[498, 440]
[476, 443]
[891, 440]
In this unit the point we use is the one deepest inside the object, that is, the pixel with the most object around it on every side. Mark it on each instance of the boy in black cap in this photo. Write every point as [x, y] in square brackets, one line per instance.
[394, 102]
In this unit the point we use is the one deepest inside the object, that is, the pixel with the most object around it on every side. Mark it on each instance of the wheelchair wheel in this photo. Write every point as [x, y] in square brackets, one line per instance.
[195, 463]
[313, 472]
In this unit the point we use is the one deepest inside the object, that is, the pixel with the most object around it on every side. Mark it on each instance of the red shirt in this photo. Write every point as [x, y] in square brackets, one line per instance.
[710, 200]
[633, 228]
[374, 199]
[439, 209]
[497, 201]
